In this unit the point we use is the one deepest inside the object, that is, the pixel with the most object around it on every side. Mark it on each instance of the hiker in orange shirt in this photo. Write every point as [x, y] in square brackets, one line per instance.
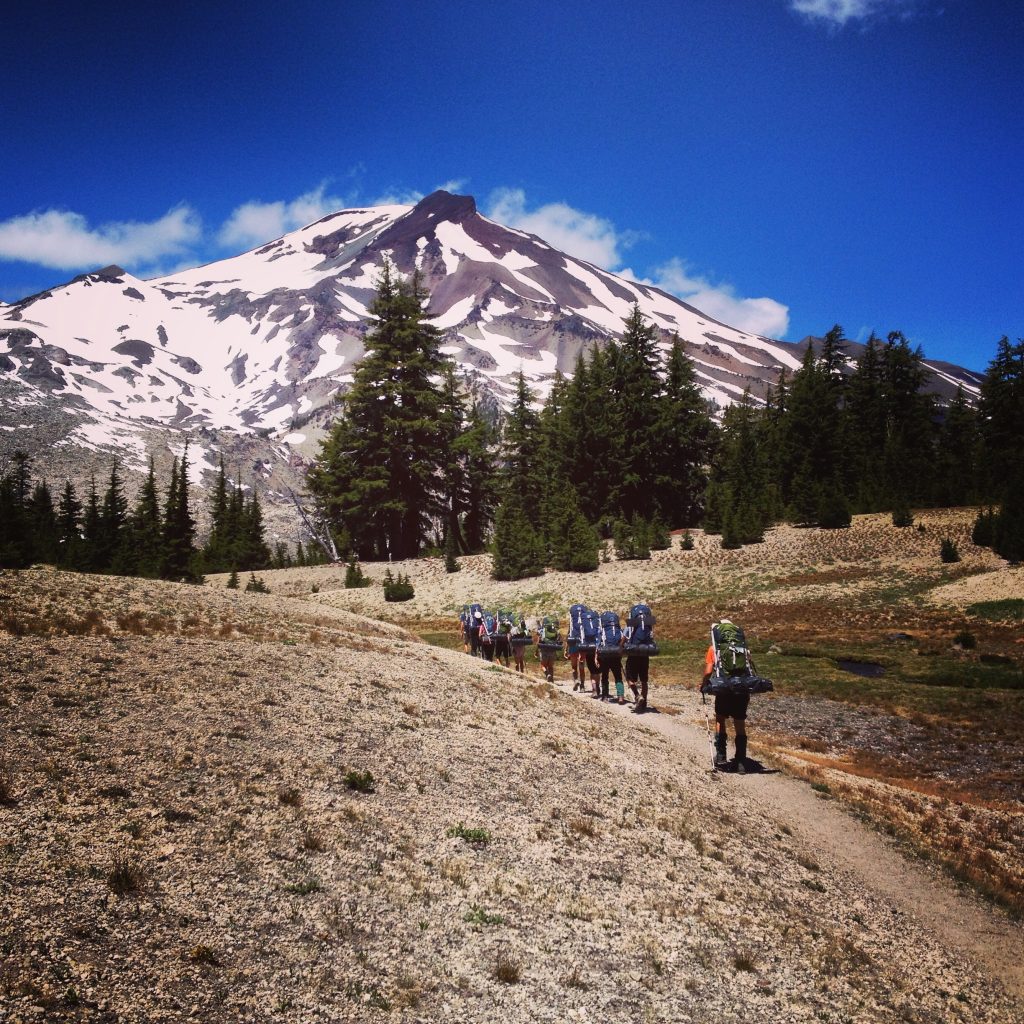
[728, 705]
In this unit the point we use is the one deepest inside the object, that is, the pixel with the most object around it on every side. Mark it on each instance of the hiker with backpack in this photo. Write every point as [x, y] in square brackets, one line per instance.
[581, 643]
[476, 617]
[486, 633]
[639, 647]
[519, 639]
[549, 645]
[730, 674]
[609, 657]
[465, 627]
[502, 646]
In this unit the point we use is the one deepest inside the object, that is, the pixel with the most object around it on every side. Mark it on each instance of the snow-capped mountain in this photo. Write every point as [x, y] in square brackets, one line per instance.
[246, 354]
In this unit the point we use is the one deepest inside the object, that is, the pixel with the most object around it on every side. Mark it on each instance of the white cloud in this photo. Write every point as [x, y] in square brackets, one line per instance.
[838, 13]
[754, 316]
[255, 223]
[454, 185]
[572, 231]
[63, 240]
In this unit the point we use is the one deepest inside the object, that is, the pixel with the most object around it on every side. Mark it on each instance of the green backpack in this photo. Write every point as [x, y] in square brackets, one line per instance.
[733, 658]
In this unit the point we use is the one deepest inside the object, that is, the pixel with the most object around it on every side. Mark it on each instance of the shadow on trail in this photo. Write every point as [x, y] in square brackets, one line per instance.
[751, 767]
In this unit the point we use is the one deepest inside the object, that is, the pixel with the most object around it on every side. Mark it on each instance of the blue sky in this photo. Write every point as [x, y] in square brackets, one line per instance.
[782, 164]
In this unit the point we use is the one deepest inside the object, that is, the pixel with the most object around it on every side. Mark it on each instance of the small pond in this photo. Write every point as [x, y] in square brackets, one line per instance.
[868, 669]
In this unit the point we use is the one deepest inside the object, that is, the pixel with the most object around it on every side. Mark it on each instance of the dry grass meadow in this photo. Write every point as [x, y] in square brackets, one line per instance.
[225, 806]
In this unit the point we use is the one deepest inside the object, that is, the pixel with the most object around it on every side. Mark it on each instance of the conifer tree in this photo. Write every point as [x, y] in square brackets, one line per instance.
[69, 524]
[518, 550]
[91, 530]
[15, 539]
[179, 526]
[146, 529]
[379, 474]
[524, 475]
[572, 541]
[478, 450]
[112, 539]
[684, 439]
[42, 525]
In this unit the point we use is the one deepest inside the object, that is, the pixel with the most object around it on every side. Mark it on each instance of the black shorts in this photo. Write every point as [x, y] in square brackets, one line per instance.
[592, 662]
[732, 705]
[637, 668]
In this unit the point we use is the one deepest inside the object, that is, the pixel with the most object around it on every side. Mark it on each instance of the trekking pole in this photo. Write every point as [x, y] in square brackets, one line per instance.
[711, 738]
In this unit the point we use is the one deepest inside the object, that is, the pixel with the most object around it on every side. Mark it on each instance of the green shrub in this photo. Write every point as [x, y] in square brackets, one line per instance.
[397, 588]
[361, 782]
[354, 576]
[256, 586]
[965, 639]
[948, 552]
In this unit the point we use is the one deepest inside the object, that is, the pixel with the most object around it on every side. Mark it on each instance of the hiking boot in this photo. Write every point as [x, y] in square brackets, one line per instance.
[720, 761]
[639, 707]
[741, 765]
[634, 691]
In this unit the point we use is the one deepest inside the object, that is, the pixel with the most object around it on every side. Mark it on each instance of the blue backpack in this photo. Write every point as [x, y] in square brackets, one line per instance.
[575, 634]
[640, 622]
[591, 628]
[490, 626]
[611, 632]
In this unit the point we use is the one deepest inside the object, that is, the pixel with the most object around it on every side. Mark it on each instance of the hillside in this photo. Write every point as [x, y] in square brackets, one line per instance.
[190, 828]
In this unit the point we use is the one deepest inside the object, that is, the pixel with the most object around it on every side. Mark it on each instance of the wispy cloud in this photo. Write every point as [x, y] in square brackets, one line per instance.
[63, 240]
[256, 222]
[755, 316]
[838, 13]
[586, 235]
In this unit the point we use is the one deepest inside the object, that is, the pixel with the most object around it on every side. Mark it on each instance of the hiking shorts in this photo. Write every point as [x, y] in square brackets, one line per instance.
[732, 705]
[592, 663]
[637, 668]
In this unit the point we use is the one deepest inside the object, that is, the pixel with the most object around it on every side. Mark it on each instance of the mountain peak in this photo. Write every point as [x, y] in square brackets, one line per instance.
[446, 206]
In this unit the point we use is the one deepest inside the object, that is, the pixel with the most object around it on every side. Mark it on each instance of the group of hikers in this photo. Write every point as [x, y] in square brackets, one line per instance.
[595, 645]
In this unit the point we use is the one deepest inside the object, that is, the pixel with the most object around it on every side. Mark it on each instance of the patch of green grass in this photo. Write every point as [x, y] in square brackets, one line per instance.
[1010, 609]
[305, 887]
[475, 836]
[477, 915]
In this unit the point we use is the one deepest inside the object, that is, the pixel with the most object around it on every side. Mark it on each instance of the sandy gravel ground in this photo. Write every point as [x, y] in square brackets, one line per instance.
[190, 830]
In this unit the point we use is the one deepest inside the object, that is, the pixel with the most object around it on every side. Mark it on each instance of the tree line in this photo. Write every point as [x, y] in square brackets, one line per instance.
[154, 538]
[628, 447]
[831, 442]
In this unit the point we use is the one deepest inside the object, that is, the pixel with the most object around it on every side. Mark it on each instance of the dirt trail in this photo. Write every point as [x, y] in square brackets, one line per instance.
[960, 921]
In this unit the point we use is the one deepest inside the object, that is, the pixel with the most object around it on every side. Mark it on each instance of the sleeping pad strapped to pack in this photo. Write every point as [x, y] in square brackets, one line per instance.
[550, 639]
[734, 668]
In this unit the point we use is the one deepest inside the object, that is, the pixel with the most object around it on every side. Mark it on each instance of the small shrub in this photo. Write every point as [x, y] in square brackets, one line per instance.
[305, 887]
[507, 968]
[313, 840]
[355, 578]
[256, 586]
[743, 962]
[948, 552]
[902, 516]
[965, 639]
[475, 836]
[204, 954]
[687, 541]
[126, 875]
[398, 588]
[232, 583]
[360, 782]
[6, 784]
[289, 796]
[477, 915]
